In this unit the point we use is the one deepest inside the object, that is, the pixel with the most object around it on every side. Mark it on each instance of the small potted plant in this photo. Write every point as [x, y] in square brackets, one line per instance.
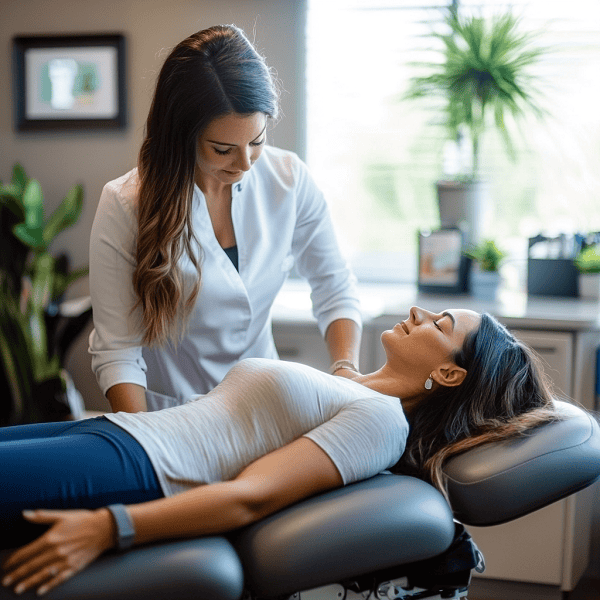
[485, 280]
[588, 265]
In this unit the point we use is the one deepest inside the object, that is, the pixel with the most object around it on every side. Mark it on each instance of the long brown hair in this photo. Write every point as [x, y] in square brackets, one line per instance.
[212, 73]
[505, 393]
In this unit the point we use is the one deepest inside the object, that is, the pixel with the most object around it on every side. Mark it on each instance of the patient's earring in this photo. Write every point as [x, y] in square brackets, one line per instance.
[429, 383]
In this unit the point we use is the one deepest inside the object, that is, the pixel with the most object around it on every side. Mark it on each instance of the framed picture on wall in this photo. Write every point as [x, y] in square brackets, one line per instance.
[442, 266]
[69, 82]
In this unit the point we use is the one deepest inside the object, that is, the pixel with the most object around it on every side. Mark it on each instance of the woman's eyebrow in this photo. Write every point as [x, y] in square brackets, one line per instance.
[228, 144]
[451, 317]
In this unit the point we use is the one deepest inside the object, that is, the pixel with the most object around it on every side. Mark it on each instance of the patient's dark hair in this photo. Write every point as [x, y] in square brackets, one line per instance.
[505, 394]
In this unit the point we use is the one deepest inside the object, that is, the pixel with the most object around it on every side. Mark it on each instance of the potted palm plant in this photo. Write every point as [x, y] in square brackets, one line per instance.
[482, 76]
[36, 327]
[485, 279]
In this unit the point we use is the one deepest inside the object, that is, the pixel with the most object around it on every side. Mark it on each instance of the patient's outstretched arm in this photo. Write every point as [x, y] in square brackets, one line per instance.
[279, 479]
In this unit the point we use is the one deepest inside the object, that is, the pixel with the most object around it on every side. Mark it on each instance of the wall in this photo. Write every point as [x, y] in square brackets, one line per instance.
[151, 28]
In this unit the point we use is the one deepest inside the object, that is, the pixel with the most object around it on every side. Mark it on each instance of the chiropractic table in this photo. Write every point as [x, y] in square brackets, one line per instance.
[392, 535]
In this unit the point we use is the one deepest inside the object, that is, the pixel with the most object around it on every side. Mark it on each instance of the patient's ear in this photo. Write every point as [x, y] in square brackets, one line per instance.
[449, 375]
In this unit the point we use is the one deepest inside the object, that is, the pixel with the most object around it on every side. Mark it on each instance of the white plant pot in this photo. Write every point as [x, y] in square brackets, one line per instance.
[464, 205]
[485, 284]
[589, 286]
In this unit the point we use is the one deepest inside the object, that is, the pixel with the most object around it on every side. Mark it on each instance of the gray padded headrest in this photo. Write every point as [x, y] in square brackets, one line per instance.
[501, 481]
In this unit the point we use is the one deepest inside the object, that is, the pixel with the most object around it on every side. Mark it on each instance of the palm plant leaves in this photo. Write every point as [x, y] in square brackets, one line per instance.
[30, 231]
[65, 215]
[19, 177]
[483, 75]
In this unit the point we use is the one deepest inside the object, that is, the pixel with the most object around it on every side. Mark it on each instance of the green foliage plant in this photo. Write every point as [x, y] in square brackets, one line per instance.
[588, 259]
[32, 281]
[482, 75]
[487, 255]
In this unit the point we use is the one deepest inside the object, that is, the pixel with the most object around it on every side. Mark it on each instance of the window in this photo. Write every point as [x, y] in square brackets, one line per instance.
[377, 157]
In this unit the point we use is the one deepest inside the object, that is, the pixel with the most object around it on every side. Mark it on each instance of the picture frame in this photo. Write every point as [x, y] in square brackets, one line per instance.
[443, 268]
[69, 82]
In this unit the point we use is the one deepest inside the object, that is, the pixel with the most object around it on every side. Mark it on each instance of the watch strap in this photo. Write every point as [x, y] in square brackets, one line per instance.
[124, 524]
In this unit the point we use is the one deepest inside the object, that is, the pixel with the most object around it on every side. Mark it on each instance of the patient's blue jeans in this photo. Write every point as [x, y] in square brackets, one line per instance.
[79, 464]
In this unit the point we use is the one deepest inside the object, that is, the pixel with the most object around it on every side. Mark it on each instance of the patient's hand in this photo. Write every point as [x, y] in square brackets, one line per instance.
[76, 538]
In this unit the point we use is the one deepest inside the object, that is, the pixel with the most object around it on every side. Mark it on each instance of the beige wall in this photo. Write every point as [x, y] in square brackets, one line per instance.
[151, 28]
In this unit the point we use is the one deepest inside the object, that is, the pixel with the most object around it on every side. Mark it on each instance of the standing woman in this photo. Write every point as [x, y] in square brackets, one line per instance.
[189, 250]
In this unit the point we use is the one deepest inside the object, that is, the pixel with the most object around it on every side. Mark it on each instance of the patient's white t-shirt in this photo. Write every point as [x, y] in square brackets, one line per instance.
[260, 406]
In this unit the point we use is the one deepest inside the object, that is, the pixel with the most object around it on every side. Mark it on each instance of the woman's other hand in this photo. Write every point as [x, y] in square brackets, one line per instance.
[75, 539]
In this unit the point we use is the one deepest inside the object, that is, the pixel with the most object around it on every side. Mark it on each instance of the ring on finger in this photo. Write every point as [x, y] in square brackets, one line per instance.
[53, 571]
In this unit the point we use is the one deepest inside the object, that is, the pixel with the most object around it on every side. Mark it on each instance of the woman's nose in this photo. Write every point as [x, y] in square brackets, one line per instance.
[416, 315]
[244, 159]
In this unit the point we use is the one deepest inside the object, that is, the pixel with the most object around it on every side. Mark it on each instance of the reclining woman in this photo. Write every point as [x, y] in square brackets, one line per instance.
[462, 379]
